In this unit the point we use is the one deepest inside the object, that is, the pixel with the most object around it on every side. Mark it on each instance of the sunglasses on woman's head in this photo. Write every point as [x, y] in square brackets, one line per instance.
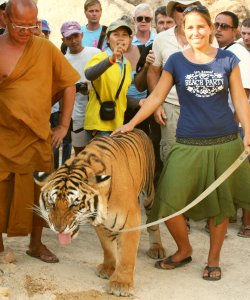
[141, 18]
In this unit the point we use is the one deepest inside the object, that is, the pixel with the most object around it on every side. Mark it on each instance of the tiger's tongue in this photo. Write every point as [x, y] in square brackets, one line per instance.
[64, 238]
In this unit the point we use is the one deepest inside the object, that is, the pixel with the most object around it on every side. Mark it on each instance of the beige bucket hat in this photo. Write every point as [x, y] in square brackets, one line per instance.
[171, 5]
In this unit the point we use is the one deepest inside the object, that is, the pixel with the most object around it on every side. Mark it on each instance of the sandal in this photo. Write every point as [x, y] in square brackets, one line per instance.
[162, 264]
[244, 231]
[44, 254]
[211, 270]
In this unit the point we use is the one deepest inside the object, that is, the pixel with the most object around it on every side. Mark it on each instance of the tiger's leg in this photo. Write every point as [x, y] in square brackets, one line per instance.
[156, 249]
[108, 242]
[122, 281]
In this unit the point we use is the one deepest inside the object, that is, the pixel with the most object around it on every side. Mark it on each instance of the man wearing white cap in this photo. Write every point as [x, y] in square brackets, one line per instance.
[165, 44]
[2, 9]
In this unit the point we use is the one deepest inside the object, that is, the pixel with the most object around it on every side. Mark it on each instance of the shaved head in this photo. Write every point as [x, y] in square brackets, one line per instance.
[20, 7]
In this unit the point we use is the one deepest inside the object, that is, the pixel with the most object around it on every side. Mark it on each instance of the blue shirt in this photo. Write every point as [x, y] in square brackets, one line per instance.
[133, 92]
[91, 37]
[138, 42]
[203, 94]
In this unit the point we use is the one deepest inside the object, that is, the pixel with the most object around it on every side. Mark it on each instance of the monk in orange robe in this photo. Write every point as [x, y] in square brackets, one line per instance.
[32, 71]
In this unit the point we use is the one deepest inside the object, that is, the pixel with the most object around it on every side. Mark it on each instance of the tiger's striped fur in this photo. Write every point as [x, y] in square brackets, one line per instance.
[102, 186]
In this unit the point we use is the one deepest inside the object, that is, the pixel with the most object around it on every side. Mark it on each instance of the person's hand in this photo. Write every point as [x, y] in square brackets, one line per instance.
[246, 140]
[118, 51]
[58, 133]
[123, 129]
[160, 116]
[150, 59]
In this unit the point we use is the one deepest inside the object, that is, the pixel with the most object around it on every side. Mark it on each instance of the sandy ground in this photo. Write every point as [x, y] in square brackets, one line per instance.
[74, 278]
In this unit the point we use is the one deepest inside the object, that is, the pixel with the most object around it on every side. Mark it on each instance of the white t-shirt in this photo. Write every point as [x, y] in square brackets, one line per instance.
[165, 44]
[78, 61]
[55, 107]
[244, 65]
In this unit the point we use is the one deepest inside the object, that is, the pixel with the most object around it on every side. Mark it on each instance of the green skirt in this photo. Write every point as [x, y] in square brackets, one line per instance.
[189, 170]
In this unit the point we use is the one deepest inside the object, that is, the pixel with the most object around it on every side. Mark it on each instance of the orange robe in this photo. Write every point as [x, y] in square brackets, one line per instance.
[25, 136]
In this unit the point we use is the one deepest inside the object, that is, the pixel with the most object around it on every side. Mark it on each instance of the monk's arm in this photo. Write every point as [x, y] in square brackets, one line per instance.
[68, 100]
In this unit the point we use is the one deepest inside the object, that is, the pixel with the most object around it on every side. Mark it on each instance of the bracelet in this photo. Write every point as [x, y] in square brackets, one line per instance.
[111, 60]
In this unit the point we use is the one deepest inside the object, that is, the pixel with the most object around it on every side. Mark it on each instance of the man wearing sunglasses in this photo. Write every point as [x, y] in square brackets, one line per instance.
[32, 72]
[2, 9]
[226, 28]
[143, 16]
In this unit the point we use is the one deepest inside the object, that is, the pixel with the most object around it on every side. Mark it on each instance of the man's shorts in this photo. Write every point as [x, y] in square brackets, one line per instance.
[77, 134]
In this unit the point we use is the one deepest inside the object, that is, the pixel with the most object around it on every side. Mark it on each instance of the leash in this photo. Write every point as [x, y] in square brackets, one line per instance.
[203, 195]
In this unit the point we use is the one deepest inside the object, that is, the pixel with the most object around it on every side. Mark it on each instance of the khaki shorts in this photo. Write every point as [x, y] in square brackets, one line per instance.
[168, 132]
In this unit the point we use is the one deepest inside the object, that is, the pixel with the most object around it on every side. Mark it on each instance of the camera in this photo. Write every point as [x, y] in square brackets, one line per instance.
[82, 87]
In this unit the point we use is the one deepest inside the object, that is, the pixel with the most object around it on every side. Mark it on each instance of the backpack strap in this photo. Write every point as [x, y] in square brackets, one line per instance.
[118, 91]
[102, 36]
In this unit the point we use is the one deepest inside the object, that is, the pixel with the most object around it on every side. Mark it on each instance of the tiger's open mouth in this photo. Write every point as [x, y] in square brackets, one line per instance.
[66, 238]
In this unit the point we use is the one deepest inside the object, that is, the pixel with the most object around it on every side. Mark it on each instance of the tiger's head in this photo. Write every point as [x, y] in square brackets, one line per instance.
[74, 195]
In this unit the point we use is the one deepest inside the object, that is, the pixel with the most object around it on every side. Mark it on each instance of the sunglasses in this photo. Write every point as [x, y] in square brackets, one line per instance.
[19, 28]
[3, 6]
[223, 26]
[180, 9]
[199, 8]
[141, 18]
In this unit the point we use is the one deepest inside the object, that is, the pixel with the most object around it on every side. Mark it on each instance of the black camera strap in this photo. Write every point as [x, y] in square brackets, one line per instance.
[118, 91]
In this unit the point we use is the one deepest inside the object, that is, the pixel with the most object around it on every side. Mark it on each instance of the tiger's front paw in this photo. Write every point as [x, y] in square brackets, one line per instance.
[124, 289]
[105, 271]
[156, 252]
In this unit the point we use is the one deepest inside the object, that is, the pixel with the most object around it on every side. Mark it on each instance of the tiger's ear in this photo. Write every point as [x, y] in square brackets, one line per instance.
[41, 178]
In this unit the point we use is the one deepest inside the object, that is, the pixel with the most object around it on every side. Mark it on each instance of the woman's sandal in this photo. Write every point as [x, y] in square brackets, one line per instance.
[168, 264]
[212, 270]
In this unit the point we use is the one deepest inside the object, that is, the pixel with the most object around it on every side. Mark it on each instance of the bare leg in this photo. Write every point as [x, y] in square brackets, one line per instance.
[217, 236]
[178, 228]
[245, 227]
[245, 217]
[37, 249]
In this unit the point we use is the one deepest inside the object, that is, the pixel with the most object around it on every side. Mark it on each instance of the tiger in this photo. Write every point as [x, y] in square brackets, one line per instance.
[102, 186]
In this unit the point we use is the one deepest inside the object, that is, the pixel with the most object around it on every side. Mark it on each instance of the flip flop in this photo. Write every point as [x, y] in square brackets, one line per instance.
[168, 261]
[209, 271]
[48, 258]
